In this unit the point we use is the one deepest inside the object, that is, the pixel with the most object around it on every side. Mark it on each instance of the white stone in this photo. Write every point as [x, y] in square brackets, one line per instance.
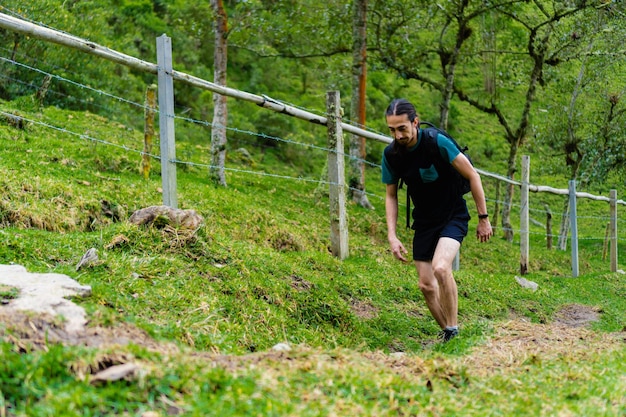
[527, 284]
[281, 347]
[46, 293]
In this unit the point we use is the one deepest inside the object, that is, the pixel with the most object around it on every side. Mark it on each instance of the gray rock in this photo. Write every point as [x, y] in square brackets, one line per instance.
[527, 284]
[281, 347]
[46, 293]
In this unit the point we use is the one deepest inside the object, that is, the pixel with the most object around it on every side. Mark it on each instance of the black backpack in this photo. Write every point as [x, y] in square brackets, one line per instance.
[430, 137]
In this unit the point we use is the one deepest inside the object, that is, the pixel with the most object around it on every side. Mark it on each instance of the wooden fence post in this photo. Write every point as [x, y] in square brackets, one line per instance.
[336, 178]
[548, 227]
[573, 226]
[148, 129]
[524, 217]
[166, 121]
[40, 95]
[605, 244]
[496, 208]
[613, 205]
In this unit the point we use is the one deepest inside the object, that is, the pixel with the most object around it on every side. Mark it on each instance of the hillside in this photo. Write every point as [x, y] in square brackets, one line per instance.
[200, 314]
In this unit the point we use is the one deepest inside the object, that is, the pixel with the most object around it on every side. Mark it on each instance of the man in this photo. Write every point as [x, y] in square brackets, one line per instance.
[440, 214]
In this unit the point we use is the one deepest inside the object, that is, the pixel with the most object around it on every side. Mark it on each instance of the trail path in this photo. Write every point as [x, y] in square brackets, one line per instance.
[60, 320]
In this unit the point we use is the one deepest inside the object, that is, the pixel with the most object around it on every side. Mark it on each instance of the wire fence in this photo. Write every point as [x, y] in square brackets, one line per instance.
[100, 99]
[255, 137]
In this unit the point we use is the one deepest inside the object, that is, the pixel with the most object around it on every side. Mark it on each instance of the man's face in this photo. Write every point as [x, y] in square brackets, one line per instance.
[403, 130]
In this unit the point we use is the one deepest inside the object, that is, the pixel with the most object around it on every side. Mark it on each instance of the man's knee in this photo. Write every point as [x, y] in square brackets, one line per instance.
[428, 287]
[442, 271]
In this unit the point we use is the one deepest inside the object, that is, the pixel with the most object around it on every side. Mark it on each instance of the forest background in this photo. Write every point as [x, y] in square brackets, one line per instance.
[504, 77]
[543, 78]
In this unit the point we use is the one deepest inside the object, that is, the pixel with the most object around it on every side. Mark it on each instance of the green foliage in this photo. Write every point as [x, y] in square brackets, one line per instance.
[259, 271]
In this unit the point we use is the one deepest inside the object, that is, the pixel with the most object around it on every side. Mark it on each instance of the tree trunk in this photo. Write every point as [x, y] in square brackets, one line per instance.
[357, 107]
[517, 140]
[573, 156]
[507, 227]
[564, 229]
[220, 109]
[449, 62]
[488, 65]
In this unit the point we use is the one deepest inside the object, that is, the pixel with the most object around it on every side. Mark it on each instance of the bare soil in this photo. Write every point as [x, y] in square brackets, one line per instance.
[29, 331]
[514, 342]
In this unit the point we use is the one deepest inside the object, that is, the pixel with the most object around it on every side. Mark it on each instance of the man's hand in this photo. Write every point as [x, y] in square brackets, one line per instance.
[484, 230]
[398, 249]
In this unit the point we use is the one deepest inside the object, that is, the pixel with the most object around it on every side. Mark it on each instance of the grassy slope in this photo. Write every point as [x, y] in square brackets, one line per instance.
[259, 273]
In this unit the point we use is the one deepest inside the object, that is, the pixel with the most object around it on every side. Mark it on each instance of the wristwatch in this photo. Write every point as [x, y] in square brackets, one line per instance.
[483, 216]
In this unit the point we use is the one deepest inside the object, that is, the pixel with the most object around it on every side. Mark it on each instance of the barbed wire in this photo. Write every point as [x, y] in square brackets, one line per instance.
[242, 131]
[37, 60]
[259, 173]
[249, 172]
[80, 135]
[157, 157]
[278, 139]
[76, 84]
[187, 119]
[56, 93]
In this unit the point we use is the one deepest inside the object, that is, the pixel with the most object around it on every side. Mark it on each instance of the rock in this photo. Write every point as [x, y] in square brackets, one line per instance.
[526, 283]
[281, 347]
[161, 216]
[88, 258]
[45, 293]
[115, 373]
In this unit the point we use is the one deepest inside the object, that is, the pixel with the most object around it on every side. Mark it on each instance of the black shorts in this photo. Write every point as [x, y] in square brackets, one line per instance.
[426, 237]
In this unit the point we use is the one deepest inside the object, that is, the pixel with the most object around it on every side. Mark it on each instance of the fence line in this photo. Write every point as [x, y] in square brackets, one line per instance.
[168, 75]
[206, 123]
[265, 136]
[177, 117]
[278, 176]
[92, 48]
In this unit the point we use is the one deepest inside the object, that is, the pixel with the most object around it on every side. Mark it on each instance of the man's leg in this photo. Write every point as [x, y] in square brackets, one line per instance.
[430, 288]
[437, 283]
[445, 252]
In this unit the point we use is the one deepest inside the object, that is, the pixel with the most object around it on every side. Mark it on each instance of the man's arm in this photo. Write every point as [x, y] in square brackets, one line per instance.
[465, 168]
[391, 213]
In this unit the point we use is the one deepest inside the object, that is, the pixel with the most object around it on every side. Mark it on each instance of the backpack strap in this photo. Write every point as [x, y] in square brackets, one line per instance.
[408, 208]
[408, 203]
[429, 135]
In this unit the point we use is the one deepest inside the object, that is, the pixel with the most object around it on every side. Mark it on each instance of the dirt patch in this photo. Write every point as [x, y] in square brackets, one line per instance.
[517, 343]
[577, 315]
[363, 309]
[29, 331]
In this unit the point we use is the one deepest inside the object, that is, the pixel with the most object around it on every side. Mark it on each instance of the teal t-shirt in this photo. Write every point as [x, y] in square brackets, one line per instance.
[448, 151]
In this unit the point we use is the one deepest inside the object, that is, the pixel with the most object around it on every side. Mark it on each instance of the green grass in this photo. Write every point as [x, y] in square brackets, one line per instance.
[259, 272]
